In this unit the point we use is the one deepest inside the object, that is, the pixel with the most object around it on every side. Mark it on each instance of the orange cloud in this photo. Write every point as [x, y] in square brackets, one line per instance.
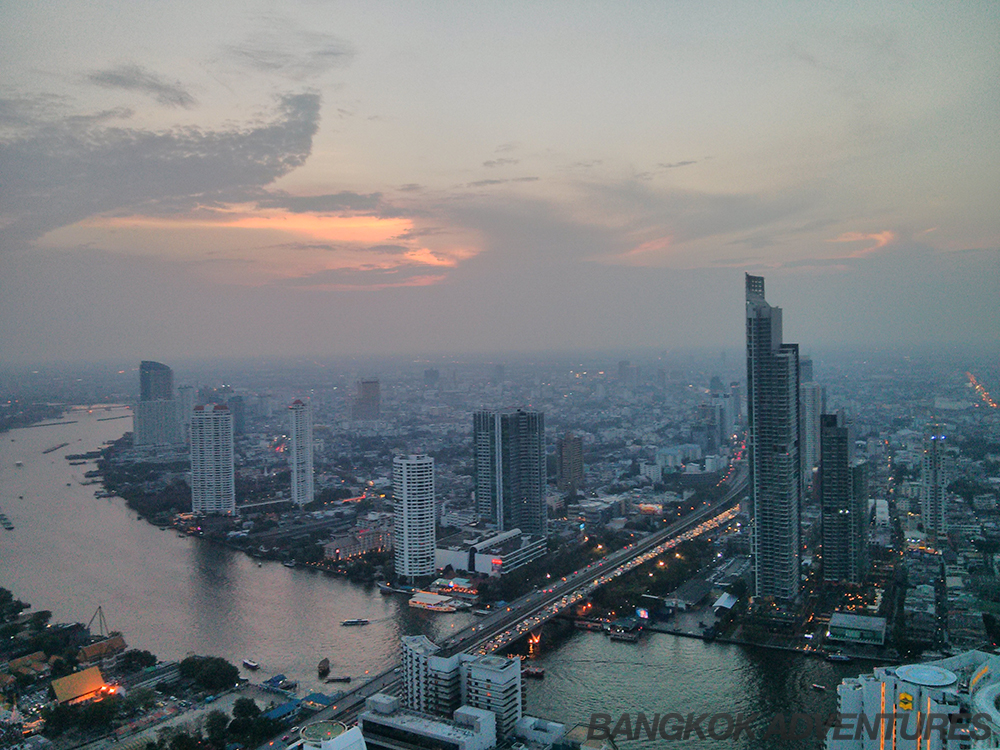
[316, 227]
[881, 239]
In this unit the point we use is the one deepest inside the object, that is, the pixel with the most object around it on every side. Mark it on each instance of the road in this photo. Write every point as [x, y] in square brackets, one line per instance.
[531, 610]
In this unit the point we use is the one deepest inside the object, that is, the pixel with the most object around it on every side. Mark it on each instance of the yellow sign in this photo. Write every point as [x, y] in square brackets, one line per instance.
[905, 702]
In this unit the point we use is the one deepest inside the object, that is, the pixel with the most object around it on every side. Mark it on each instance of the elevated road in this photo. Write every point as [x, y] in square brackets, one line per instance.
[529, 612]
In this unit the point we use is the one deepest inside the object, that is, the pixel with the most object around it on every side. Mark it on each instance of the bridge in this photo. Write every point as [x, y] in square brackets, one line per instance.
[529, 612]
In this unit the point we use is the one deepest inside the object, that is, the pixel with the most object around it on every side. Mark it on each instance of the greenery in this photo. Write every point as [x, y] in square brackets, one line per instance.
[134, 660]
[210, 672]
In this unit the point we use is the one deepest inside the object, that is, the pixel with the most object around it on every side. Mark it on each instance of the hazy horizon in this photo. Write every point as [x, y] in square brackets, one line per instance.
[194, 180]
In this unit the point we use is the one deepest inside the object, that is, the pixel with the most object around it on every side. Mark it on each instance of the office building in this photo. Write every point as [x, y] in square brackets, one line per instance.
[368, 403]
[493, 683]
[155, 419]
[156, 381]
[774, 452]
[301, 458]
[934, 479]
[185, 406]
[213, 487]
[843, 502]
[237, 407]
[812, 402]
[438, 685]
[386, 725]
[569, 463]
[413, 511]
[510, 472]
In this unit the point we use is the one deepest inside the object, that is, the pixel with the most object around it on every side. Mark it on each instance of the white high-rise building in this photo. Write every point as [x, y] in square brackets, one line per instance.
[413, 500]
[213, 485]
[934, 488]
[301, 459]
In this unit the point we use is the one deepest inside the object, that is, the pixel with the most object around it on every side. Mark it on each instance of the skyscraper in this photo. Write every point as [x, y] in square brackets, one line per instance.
[413, 510]
[812, 405]
[185, 405]
[213, 486]
[934, 481]
[569, 463]
[844, 503]
[774, 450]
[156, 381]
[156, 421]
[510, 480]
[301, 459]
[367, 404]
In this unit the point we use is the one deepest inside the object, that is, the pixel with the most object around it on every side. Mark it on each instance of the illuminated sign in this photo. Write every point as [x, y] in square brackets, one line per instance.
[642, 614]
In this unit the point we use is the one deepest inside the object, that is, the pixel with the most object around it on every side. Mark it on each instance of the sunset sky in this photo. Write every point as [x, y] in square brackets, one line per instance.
[193, 179]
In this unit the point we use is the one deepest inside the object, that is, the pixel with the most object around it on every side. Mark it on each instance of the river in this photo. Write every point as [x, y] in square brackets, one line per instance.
[71, 552]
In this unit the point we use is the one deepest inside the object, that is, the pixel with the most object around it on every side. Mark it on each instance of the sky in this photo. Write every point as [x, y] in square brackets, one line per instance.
[214, 178]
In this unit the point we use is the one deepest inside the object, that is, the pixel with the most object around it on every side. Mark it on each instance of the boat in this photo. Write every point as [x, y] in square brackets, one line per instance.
[323, 668]
[345, 678]
[359, 621]
[536, 673]
[818, 687]
[250, 664]
[6, 522]
[838, 657]
[19, 464]
[288, 685]
[482, 612]
[289, 563]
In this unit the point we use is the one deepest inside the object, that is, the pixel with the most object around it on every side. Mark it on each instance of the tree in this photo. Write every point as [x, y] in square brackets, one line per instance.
[210, 672]
[245, 708]
[216, 724]
[134, 660]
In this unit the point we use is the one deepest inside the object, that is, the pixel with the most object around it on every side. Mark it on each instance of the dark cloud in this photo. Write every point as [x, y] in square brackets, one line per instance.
[345, 201]
[365, 277]
[64, 171]
[487, 183]
[500, 162]
[136, 78]
[410, 187]
[505, 148]
[676, 164]
[293, 53]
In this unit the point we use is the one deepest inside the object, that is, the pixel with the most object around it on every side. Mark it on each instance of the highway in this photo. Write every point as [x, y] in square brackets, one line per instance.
[531, 610]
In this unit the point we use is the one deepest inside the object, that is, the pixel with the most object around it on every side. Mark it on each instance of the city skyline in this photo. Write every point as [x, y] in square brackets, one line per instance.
[343, 171]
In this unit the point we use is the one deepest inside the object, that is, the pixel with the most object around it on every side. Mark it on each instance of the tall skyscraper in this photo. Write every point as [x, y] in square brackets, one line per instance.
[367, 404]
[155, 421]
[185, 405]
[237, 406]
[156, 381]
[509, 454]
[413, 510]
[569, 463]
[812, 405]
[934, 481]
[301, 459]
[774, 450]
[213, 485]
[844, 503]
